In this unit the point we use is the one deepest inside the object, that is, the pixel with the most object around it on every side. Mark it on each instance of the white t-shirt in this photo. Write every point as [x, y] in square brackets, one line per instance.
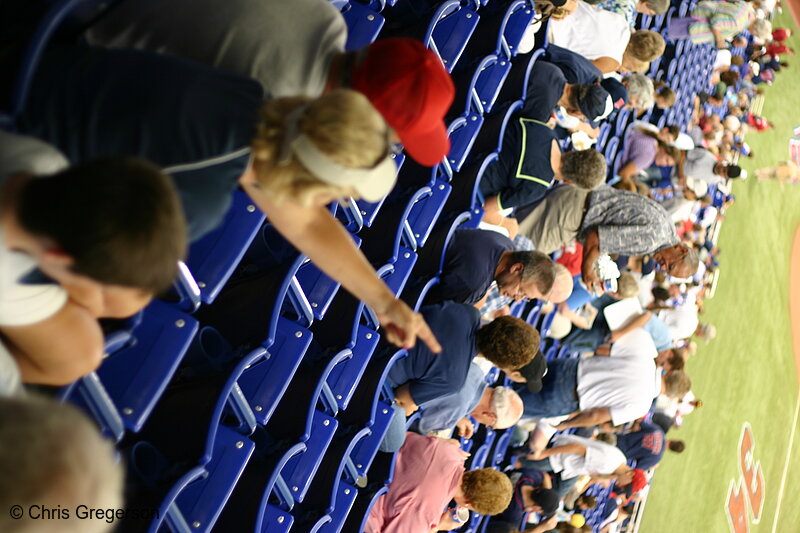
[600, 458]
[682, 320]
[592, 33]
[22, 304]
[636, 343]
[10, 381]
[625, 384]
[287, 45]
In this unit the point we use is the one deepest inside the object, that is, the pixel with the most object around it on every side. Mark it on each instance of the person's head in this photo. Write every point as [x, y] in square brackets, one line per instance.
[652, 7]
[499, 408]
[761, 29]
[117, 221]
[669, 134]
[679, 260]
[737, 61]
[640, 90]
[664, 97]
[676, 446]
[637, 479]
[584, 168]
[706, 331]
[725, 170]
[729, 77]
[508, 342]
[674, 362]
[562, 286]
[608, 438]
[525, 274]
[555, 9]
[632, 64]
[627, 286]
[52, 455]
[739, 42]
[645, 45]
[408, 84]
[485, 491]
[314, 151]
[590, 102]
[545, 501]
[676, 384]
[586, 502]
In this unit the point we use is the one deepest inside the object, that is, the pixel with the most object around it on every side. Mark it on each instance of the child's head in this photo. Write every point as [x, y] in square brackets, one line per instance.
[485, 491]
[586, 502]
[508, 342]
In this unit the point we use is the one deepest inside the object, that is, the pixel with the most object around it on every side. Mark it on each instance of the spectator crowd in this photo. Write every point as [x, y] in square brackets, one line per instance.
[562, 311]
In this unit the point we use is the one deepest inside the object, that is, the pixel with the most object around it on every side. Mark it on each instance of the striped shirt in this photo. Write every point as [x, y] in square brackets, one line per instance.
[728, 18]
[640, 148]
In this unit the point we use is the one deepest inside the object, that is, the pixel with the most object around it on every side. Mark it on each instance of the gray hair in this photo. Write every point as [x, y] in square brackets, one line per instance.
[536, 266]
[761, 29]
[51, 455]
[502, 406]
[640, 87]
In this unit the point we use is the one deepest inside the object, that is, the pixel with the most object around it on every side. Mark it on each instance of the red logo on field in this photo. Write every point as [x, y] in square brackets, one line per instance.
[748, 491]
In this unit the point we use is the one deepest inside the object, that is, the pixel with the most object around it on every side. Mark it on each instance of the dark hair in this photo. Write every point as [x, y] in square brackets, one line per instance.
[676, 362]
[734, 171]
[578, 93]
[508, 342]
[676, 446]
[729, 77]
[660, 294]
[119, 218]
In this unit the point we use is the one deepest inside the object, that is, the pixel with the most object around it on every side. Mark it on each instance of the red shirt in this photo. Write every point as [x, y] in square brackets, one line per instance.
[775, 49]
[779, 34]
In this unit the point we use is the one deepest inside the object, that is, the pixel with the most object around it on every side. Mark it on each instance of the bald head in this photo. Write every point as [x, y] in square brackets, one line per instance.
[562, 285]
[500, 408]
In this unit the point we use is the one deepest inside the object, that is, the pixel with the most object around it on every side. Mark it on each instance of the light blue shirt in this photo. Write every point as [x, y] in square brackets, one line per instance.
[444, 412]
[660, 333]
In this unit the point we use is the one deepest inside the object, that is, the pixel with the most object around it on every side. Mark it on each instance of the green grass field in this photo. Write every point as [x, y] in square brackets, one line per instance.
[748, 373]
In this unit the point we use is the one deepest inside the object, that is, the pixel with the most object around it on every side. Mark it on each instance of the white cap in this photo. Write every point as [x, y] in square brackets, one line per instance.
[683, 142]
[699, 187]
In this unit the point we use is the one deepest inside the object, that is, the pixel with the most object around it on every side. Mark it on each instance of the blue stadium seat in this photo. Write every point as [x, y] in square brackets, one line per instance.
[449, 31]
[128, 384]
[488, 79]
[213, 258]
[611, 150]
[363, 23]
[462, 133]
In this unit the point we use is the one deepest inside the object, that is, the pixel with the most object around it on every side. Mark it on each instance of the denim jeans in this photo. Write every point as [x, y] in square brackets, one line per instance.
[557, 396]
[396, 433]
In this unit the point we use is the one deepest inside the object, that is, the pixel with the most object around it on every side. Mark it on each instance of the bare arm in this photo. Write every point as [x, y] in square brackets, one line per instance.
[634, 323]
[571, 447]
[628, 171]
[606, 64]
[59, 349]
[317, 234]
[491, 211]
[402, 396]
[591, 251]
[573, 317]
[590, 417]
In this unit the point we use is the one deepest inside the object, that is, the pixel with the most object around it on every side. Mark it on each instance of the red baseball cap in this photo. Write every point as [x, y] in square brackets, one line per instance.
[409, 86]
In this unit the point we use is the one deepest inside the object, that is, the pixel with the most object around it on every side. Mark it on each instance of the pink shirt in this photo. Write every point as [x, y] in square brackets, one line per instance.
[427, 474]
